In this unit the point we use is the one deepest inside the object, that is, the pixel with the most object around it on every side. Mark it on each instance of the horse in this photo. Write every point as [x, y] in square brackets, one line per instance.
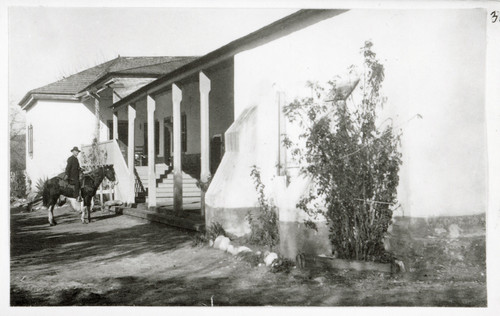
[56, 187]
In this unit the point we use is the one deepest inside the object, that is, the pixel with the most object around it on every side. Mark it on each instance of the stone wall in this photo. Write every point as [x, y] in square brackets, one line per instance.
[431, 245]
[427, 246]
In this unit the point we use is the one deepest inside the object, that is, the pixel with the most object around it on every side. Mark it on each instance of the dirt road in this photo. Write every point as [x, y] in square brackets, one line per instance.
[119, 260]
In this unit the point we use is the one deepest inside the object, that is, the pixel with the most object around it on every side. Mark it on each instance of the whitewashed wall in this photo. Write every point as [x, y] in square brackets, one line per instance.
[57, 127]
[428, 72]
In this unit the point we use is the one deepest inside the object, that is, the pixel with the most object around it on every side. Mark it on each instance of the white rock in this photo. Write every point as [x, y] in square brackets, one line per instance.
[218, 240]
[439, 231]
[387, 244]
[258, 253]
[268, 260]
[454, 231]
[321, 280]
[210, 243]
[244, 249]
[221, 243]
[400, 265]
[113, 203]
[232, 250]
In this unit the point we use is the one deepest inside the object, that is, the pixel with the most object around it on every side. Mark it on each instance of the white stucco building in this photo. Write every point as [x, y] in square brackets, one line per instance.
[61, 115]
[219, 114]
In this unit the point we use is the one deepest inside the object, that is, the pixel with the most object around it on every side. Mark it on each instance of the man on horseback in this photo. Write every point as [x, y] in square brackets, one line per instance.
[73, 172]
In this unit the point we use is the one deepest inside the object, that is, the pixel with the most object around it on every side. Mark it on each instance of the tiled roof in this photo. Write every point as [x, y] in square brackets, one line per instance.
[144, 66]
[160, 69]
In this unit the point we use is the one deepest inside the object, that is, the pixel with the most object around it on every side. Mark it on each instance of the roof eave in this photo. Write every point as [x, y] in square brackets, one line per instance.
[31, 98]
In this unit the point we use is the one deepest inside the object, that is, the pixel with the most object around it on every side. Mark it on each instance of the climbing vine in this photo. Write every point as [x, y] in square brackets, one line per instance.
[353, 162]
[95, 158]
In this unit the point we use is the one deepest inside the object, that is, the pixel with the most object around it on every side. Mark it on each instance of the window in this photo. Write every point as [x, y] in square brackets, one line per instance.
[168, 120]
[122, 130]
[30, 140]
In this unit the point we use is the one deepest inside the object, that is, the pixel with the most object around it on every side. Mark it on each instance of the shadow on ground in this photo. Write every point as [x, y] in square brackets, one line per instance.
[74, 243]
[118, 260]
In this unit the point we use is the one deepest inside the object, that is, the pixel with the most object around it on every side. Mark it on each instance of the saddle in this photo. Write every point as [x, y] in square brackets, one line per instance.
[63, 182]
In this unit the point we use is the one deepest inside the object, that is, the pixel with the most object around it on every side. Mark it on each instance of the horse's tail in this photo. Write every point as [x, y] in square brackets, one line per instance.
[46, 195]
[45, 190]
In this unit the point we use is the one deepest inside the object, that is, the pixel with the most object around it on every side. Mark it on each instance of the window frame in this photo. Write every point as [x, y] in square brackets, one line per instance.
[30, 140]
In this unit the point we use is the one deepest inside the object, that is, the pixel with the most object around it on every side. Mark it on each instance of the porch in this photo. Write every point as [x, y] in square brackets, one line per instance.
[166, 144]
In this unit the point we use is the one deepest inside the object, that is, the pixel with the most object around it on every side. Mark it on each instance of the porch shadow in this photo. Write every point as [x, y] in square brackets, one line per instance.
[70, 241]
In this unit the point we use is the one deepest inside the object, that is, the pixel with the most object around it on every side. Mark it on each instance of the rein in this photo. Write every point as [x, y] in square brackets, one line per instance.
[94, 173]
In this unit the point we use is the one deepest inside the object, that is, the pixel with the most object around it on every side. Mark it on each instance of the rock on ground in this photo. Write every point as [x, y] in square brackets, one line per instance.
[113, 203]
[221, 243]
[454, 231]
[270, 258]
[232, 250]
[244, 249]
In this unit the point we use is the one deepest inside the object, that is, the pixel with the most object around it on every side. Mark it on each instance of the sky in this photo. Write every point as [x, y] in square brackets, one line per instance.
[47, 43]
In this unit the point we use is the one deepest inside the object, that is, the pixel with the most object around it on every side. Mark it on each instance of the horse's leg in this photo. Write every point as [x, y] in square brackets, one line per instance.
[50, 210]
[90, 205]
[82, 211]
[50, 216]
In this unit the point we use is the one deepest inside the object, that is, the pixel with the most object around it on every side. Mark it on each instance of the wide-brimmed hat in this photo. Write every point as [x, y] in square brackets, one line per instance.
[75, 148]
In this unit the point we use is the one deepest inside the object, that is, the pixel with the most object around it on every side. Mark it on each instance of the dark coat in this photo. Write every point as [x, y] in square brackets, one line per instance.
[73, 168]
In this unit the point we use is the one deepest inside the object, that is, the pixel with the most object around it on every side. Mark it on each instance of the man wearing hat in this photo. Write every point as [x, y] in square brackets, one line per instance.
[73, 171]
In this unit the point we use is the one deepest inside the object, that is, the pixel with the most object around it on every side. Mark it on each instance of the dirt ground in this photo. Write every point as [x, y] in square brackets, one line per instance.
[120, 260]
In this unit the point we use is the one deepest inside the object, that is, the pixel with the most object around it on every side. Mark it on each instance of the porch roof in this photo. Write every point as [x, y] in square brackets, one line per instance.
[275, 30]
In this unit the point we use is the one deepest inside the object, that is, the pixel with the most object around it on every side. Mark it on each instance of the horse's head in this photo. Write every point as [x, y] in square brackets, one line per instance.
[109, 172]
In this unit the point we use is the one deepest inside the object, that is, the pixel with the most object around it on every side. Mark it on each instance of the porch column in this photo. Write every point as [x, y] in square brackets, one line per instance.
[115, 125]
[176, 100]
[205, 136]
[97, 110]
[162, 138]
[151, 152]
[131, 151]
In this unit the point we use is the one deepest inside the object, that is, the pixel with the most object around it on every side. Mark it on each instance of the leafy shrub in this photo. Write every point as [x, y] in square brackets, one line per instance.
[199, 240]
[40, 184]
[265, 225]
[214, 230]
[353, 162]
[18, 184]
[282, 265]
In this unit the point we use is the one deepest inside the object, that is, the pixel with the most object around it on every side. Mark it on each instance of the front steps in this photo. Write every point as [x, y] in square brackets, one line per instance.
[165, 185]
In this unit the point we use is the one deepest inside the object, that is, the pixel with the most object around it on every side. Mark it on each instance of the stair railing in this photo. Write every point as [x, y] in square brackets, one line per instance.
[138, 187]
